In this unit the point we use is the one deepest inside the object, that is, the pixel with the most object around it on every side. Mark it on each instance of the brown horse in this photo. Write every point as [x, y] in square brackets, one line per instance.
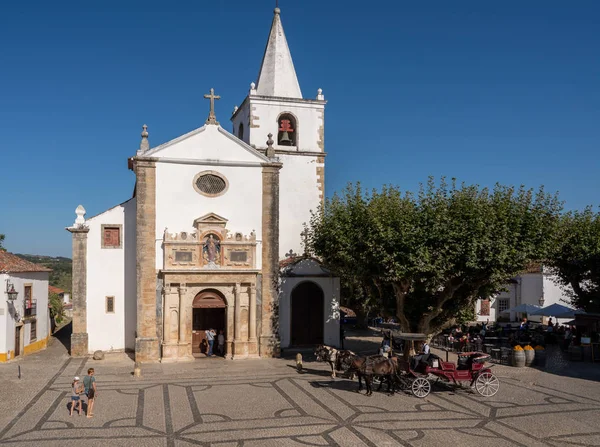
[338, 359]
[375, 365]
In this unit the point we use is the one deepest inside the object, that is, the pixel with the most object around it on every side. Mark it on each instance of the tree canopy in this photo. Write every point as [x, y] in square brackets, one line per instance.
[576, 259]
[436, 251]
[2, 242]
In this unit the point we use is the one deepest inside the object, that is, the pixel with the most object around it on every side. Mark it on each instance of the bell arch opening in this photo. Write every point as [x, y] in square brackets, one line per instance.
[287, 131]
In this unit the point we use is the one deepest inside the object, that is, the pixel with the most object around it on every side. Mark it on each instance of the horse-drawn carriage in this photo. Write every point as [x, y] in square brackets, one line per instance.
[419, 372]
[413, 372]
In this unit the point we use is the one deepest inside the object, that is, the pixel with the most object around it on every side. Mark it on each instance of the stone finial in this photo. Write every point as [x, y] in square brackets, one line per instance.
[320, 95]
[144, 144]
[235, 109]
[277, 11]
[80, 220]
[270, 149]
[252, 88]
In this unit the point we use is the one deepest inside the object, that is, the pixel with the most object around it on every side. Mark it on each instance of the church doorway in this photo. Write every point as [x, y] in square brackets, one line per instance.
[209, 312]
[307, 314]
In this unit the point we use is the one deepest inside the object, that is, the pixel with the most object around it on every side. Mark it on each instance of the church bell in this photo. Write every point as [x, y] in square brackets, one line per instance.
[285, 139]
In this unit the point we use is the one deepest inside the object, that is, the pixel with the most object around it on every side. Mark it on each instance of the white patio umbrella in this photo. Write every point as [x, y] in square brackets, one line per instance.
[523, 309]
[554, 310]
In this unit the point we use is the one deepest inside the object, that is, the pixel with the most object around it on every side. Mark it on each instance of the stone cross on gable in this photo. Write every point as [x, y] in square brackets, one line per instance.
[305, 235]
[212, 118]
[291, 254]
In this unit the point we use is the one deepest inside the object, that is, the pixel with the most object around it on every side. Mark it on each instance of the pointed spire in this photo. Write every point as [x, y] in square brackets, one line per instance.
[277, 76]
[144, 144]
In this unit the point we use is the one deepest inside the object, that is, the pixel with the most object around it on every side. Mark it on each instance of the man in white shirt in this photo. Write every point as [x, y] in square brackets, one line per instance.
[210, 338]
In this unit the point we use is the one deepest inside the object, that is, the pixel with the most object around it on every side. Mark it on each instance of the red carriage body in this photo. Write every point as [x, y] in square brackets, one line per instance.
[471, 368]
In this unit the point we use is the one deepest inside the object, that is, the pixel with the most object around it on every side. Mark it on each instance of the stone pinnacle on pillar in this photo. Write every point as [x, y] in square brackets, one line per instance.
[144, 144]
[270, 149]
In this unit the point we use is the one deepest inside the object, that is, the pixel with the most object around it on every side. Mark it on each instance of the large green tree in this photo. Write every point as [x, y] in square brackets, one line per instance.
[576, 260]
[436, 251]
[2, 242]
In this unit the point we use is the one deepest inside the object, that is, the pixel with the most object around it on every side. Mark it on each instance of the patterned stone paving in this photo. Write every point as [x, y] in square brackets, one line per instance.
[267, 403]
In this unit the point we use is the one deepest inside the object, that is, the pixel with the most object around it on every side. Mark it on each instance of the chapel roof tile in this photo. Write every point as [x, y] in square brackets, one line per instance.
[11, 263]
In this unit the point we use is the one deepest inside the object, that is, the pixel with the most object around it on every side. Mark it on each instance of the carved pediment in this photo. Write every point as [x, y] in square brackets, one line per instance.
[210, 220]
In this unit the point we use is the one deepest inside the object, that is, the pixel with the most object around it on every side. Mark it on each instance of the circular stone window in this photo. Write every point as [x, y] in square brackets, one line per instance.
[210, 184]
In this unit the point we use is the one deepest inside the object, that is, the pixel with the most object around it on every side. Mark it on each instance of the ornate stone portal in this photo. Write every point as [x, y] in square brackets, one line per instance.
[209, 263]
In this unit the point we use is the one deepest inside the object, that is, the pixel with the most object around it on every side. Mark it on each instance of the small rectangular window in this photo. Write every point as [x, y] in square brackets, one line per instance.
[110, 304]
[503, 304]
[485, 308]
[33, 336]
[183, 256]
[112, 236]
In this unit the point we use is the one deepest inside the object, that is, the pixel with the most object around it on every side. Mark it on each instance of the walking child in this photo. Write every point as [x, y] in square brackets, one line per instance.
[76, 390]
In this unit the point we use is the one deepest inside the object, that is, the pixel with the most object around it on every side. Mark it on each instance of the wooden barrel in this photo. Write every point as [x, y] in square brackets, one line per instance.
[540, 358]
[518, 358]
[529, 357]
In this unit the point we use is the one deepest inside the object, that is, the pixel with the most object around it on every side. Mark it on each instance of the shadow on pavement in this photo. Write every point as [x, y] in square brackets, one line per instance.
[314, 372]
[63, 335]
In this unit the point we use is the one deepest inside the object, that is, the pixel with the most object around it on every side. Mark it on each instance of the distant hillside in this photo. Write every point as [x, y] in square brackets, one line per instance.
[61, 269]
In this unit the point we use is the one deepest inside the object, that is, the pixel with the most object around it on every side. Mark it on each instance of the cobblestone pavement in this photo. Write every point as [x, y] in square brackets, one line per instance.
[214, 402]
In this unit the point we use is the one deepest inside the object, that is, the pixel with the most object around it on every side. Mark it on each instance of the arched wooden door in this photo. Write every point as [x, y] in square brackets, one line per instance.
[308, 312]
[209, 312]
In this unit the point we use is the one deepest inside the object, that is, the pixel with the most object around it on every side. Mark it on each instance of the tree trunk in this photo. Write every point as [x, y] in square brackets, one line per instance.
[362, 318]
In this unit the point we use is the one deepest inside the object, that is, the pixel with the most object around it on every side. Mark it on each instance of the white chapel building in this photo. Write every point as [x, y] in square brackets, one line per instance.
[199, 244]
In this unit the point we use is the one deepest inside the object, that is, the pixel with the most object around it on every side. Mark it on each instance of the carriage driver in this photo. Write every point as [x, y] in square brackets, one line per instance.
[422, 356]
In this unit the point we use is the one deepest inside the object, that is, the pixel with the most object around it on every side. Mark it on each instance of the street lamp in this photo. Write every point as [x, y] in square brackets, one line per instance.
[10, 291]
[542, 301]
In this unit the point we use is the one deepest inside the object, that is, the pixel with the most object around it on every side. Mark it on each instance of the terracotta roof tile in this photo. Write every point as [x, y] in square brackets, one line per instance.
[13, 264]
[56, 290]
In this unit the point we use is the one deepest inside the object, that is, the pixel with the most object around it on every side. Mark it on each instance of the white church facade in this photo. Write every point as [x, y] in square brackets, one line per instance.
[199, 244]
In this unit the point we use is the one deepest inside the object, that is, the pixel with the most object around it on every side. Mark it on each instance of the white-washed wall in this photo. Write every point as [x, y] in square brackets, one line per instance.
[107, 271]
[39, 290]
[178, 204]
[298, 195]
[4, 315]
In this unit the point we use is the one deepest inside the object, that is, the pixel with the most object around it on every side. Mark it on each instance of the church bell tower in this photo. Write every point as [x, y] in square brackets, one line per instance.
[275, 105]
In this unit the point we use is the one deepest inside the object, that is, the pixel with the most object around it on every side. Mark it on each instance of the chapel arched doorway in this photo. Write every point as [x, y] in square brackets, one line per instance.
[209, 312]
[307, 314]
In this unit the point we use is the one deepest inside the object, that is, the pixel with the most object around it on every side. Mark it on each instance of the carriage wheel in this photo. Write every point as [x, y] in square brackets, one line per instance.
[421, 387]
[487, 384]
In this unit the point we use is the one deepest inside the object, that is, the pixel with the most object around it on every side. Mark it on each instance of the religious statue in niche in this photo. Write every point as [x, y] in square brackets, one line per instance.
[212, 251]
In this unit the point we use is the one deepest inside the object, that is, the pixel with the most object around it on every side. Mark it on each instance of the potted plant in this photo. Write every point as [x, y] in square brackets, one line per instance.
[518, 356]
[529, 355]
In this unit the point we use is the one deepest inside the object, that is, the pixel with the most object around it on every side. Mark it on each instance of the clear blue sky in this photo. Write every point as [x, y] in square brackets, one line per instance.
[482, 91]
